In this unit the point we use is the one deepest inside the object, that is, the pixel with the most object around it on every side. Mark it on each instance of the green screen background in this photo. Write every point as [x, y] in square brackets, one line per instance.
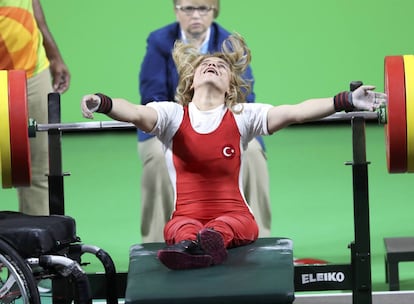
[300, 49]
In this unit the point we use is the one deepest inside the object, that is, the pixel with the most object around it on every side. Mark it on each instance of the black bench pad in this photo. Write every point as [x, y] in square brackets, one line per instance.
[261, 272]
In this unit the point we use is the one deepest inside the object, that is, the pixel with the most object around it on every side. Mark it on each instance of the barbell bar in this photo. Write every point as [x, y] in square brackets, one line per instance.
[16, 128]
[77, 126]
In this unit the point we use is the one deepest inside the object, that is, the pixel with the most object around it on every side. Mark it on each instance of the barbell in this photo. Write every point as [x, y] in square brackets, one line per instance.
[16, 127]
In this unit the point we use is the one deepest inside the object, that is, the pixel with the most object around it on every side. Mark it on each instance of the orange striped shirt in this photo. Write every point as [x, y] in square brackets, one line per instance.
[21, 42]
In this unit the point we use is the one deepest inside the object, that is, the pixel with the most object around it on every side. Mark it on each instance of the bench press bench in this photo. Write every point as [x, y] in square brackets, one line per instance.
[262, 272]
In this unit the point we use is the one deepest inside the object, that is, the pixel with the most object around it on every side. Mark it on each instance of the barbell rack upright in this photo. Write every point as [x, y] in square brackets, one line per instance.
[360, 248]
[61, 290]
[55, 176]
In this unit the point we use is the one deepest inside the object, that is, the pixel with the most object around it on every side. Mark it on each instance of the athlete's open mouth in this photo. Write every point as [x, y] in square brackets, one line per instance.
[211, 70]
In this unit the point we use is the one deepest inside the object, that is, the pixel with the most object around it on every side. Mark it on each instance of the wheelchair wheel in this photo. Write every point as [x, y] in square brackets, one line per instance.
[17, 284]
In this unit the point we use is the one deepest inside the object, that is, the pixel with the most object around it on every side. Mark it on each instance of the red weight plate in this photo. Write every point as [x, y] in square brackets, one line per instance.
[19, 138]
[5, 150]
[409, 109]
[396, 127]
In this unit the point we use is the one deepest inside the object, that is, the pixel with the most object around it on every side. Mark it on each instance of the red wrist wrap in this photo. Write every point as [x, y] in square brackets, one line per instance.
[343, 101]
[106, 104]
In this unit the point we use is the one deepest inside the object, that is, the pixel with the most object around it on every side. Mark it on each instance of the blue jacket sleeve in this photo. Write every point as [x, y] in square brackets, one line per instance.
[158, 76]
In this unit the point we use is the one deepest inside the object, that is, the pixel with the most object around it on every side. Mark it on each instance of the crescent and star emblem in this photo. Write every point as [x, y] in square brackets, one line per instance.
[229, 151]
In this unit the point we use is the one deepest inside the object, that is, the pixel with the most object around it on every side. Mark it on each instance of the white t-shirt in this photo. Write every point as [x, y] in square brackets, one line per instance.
[251, 122]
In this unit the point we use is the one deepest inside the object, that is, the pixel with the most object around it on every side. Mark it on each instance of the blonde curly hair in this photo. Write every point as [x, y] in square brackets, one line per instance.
[234, 51]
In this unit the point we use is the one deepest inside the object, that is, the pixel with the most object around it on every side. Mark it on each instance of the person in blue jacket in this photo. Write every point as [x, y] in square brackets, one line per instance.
[158, 80]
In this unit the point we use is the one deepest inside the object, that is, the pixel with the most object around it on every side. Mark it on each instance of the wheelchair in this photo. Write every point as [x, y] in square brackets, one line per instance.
[33, 248]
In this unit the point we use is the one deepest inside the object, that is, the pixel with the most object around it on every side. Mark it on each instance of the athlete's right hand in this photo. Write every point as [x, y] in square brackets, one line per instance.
[89, 105]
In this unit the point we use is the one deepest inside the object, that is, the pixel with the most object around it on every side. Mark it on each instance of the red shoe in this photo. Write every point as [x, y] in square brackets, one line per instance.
[184, 255]
[213, 244]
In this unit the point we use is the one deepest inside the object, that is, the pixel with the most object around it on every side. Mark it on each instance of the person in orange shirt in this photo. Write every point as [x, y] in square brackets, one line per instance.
[27, 44]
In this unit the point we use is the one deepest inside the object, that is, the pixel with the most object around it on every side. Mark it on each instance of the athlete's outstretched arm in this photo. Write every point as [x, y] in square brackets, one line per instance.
[362, 99]
[281, 116]
[143, 117]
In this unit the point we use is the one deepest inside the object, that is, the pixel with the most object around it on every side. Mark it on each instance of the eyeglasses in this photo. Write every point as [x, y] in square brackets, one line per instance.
[189, 10]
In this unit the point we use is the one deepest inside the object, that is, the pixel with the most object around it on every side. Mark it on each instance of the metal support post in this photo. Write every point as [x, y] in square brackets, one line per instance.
[55, 177]
[360, 248]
